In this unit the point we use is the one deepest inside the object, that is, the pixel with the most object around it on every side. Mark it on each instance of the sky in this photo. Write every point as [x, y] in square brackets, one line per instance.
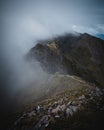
[23, 22]
[42, 18]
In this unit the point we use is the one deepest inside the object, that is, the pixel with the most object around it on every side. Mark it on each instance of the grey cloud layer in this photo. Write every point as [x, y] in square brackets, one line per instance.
[53, 14]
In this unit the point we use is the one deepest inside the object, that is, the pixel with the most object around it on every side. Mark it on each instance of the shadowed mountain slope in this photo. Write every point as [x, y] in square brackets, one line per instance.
[75, 54]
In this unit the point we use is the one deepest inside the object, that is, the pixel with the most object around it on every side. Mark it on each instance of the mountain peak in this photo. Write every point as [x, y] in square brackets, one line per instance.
[80, 55]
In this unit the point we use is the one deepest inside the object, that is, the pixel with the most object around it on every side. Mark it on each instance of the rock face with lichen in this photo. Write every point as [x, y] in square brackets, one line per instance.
[76, 54]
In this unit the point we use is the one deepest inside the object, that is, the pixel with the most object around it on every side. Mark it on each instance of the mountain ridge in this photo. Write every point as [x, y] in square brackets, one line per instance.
[79, 54]
[71, 97]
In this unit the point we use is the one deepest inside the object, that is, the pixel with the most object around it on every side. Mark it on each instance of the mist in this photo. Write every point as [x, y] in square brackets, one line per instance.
[24, 22]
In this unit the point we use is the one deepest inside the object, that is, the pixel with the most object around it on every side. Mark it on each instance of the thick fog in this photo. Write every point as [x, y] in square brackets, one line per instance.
[23, 22]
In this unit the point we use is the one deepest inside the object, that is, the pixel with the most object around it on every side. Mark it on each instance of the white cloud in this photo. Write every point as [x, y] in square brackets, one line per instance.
[99, 29]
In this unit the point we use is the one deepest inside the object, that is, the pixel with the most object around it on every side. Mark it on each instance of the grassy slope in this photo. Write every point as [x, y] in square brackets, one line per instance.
[69, 88]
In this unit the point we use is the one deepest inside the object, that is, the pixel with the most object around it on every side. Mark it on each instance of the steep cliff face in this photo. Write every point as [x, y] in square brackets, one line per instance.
[79, 54]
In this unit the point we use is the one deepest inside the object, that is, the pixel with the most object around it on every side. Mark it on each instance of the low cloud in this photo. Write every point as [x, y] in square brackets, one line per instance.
[26, 21]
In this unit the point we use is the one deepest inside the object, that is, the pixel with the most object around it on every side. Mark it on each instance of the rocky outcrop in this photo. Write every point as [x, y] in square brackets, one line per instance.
[62, 106]
[80, 54]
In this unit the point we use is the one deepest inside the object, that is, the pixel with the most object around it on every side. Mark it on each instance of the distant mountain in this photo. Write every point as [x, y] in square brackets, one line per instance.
[75, 54]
